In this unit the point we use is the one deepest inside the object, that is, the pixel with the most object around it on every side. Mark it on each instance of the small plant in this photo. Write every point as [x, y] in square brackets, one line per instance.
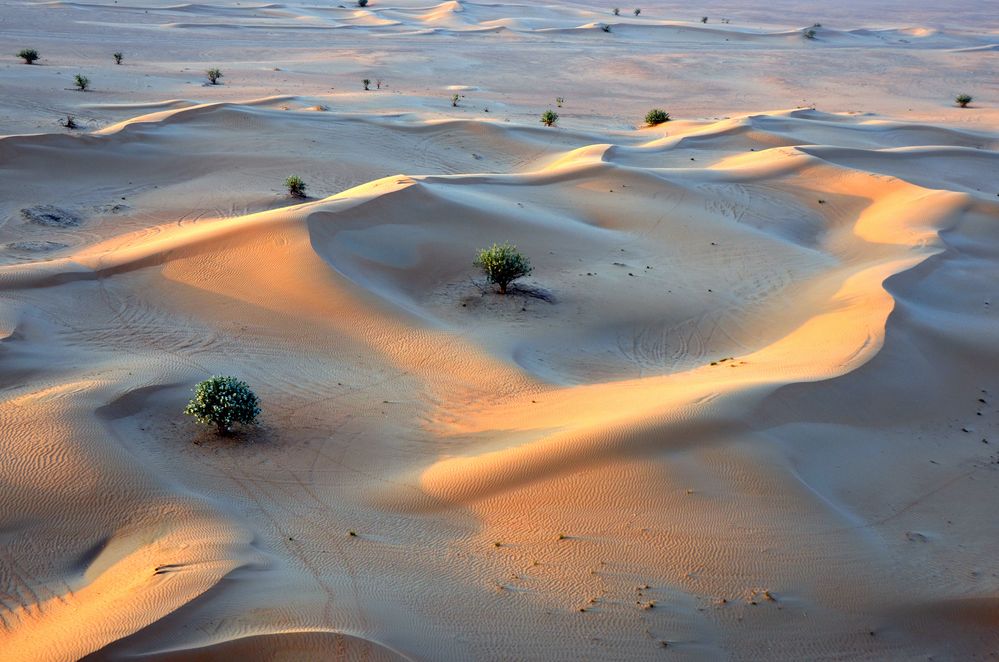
[637, 11]
[362, 3]
[963, 100]
[214, 74]
[549, 117]
[296, 187]
[454, 100]
[223, 402]
[810, 33]
[559, 101]
[29, 55]
[816, 25]
[656, 116]
[617, 11]
[118, 57]
[81, 82]
[352, 533]
[367, 83]
[378, 84]
[69, 122]
[605, 27]
[704, 19]
[503, 264]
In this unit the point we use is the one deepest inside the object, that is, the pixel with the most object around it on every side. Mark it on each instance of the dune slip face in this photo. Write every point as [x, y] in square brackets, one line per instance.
[745, 405]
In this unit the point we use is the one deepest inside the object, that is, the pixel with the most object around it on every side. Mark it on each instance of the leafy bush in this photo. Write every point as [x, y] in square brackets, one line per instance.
[549, 117]
[214, 74]
[503, 264]
[29, 55]
[454, 100]
[118, 57]
[704, 19]
[963, 100]
[559, 101]
[809, 34]
[222, 402]
[81, 82]
[656, 116]
[367, 82]
[637, 12]
[296, 186]
[617, 11]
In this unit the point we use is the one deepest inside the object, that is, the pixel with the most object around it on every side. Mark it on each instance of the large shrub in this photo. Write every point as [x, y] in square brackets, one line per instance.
[214, 74]
[81, 82]
[223, 402]
[29, 55]
[963, 100]
[656, 116]
[502, 264]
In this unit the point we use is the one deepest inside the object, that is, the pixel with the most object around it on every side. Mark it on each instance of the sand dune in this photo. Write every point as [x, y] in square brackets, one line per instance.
[744, 407]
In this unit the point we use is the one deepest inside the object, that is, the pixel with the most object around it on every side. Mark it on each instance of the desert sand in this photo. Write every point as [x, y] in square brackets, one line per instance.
[746, 406]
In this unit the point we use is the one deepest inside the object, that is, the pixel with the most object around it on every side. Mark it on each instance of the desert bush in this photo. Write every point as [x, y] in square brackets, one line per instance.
[296, 186]
[367, 83]
[605, 27]
[656, 116]
[214, 74]
[81, 82]
[29, 55]
[502, 264]
[362, 3]
[809, 33]
[454, 100]
[637, 11]
[704, 19]
[559, 101]
[549, 117]
[118, 57]
[222, 402]
[963, 100]
[69, 122]
[617, 11]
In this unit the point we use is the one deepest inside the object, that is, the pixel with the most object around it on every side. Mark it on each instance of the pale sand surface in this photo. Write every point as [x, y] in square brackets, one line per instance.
[568, 473]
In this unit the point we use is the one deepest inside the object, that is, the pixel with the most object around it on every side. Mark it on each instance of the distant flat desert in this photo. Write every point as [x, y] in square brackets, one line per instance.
[745, 407]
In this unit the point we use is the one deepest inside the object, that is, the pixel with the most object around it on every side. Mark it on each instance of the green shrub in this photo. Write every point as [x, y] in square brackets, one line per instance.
[118, 57]
[29, 55]
[559, 101]
[214, 74]
[367, 82]
[81, 82]
[963, 100]
[454, 100]
[656, 116]
[296, 187]
[223, 402]
[549, 117]
[503, 264]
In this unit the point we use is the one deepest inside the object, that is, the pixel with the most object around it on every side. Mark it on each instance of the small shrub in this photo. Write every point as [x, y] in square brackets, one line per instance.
[549, 117]
[69, 122]
[118, 57]
[296, 187]
[617, 11]
[559, 101]
[605, 27]
[656, 116]
[378, 84]
[704, 19]
[223, 402]
[810, 33]
[454, 100]
[367, 83]
[362, 3]
[81, 82]
[963, 100]
[214, 74]
[637, 11]
[29, 55]
[503, 264]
